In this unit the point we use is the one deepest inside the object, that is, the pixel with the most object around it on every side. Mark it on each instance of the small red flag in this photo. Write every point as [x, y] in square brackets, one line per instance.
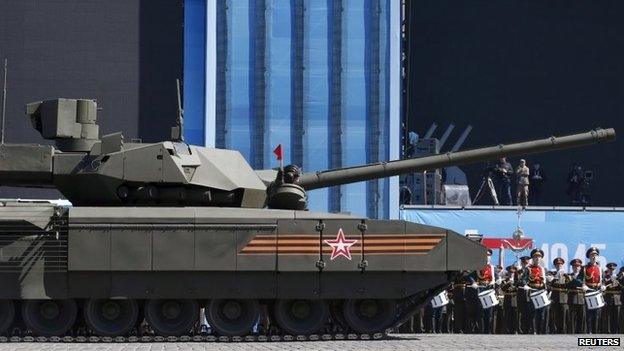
[278, 152]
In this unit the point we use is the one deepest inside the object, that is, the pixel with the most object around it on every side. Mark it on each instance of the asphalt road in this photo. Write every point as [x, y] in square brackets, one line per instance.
[429, 342]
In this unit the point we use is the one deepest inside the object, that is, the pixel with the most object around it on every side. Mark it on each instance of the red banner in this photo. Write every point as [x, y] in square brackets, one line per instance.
[507, 243]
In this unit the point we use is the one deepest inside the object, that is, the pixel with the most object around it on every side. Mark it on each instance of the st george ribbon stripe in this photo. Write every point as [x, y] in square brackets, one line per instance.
[374, 244]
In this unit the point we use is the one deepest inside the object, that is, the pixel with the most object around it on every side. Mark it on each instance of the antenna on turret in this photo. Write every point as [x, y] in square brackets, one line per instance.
[177, 132]
[4, 85]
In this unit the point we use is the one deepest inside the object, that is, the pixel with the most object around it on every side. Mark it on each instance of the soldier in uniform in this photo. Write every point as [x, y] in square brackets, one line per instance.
[472, 305]
[484, 281]
[592, 282]
[438, 317]
[498, 325]
[522, 297]
[611, 314]
[534, 279]
[620, 280]
[459, 302]
[510, 302]
[576, 322]
[522, 188]
[558, 281]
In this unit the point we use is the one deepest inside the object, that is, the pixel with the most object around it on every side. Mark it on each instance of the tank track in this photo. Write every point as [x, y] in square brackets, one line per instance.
[191, 338]
[79, 335]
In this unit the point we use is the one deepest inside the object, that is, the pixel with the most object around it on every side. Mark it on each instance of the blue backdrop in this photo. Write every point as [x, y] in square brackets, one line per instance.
[319, 77]
[565, 234]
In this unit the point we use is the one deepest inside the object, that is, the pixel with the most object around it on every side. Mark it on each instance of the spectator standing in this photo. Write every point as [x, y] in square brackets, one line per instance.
[522, 188]
[504, 171]
[537, 179]
[575, 181]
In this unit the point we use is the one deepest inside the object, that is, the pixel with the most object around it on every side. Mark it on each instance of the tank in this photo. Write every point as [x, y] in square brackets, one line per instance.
[161, 231]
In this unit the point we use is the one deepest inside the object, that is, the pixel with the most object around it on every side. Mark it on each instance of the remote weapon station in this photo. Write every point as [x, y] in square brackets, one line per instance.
[158, 231]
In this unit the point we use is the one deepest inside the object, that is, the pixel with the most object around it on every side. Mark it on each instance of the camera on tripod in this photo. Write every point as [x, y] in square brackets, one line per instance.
[486, 180]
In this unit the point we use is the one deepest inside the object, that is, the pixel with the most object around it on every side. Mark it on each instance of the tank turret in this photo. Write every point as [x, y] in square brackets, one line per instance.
[108, 171]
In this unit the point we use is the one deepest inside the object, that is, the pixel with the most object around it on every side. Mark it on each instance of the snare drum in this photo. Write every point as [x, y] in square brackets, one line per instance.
[488, 299]
[440, 300]
[540, 299]
[594, 300]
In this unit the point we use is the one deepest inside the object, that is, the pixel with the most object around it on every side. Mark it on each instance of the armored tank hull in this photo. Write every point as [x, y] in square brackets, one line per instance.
[160, 231]
[121, 271]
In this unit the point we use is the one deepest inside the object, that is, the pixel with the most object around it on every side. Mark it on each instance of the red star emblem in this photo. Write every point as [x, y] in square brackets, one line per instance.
[340, 246]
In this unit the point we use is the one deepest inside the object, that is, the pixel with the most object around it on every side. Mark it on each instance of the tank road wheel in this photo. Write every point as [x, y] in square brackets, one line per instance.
[301, 316]
[49, 317]
[171, 317]
[111, 317]
[369, 315]
[7, 314]
[232, 317]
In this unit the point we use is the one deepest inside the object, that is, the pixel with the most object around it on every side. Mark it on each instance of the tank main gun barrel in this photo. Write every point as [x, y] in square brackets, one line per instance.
[310, 181]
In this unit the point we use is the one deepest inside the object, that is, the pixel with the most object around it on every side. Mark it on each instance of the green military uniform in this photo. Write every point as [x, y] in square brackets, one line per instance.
[559, 297]
[510, 302]
[576, 299]
[523, 298]
[612, 296]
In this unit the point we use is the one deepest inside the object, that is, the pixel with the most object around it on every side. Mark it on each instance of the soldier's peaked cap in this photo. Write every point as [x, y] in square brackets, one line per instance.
[592, 250]
[558, 260]
[537, 251]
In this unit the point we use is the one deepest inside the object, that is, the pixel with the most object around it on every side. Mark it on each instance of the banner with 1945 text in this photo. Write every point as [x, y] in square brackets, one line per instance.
[560, 233]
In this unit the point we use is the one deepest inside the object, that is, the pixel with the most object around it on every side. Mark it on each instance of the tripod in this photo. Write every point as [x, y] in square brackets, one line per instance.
[487, 179]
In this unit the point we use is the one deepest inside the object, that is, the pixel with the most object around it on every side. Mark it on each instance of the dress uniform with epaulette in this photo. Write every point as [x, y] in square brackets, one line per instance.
[558, 280]
[459, 302]
[510, 302]
[613, 293]
[576, 321]
[483, 281]
[535, 280]
[592, 282]
[522, 297]
[498, 326]
[620, 279]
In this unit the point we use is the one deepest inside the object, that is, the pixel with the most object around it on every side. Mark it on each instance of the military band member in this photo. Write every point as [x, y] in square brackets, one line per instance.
[592, 282]
[498, 323]
[459, 303]
[535, 280]
[613, 293]
[620, 280]
[522, 297]
[510, 302]
[447, 321]
[576, 323]
[485, 281]
[438, 317]
[558, 281]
